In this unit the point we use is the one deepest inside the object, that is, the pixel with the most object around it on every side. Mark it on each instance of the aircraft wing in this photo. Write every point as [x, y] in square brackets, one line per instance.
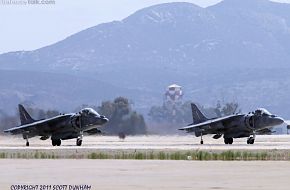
[265, 132]
[94, 131]
[210, 122]
[47, 125]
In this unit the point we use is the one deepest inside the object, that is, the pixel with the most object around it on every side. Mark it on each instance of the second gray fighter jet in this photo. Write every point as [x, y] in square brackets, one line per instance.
[233, 126]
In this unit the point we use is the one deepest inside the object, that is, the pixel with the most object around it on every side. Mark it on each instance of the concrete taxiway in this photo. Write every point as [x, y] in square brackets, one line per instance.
[143, 174]
[132, 174]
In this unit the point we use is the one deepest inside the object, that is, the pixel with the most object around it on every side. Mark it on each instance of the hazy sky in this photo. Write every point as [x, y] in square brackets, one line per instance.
[28, 27]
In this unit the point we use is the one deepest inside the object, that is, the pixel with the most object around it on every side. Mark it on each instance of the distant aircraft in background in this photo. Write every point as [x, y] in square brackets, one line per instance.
[233, 126]
[61, 127]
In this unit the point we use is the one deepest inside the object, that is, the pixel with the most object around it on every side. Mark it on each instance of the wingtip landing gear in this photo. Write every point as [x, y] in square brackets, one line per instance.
[27, 142]
[201, 139]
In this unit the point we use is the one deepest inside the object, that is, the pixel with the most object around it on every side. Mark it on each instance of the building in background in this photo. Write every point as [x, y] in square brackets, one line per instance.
[172, 97]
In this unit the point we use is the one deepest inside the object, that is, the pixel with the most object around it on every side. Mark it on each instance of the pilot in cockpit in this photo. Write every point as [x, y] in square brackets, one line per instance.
[262, 111]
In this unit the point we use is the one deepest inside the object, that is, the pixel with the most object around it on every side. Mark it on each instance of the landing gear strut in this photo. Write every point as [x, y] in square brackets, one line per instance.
[27, 142]
[201, 139]
[228, 140]
[55, 142]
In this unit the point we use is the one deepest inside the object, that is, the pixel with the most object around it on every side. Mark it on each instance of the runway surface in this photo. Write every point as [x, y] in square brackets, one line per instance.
[143, 175]
[277, 142]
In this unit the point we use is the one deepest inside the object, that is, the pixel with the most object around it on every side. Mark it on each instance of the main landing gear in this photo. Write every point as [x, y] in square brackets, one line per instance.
[228, 140]
[55, 142]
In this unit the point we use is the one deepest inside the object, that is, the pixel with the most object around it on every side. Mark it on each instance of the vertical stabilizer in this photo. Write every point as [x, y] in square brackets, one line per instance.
[197, 116]
[25, 118]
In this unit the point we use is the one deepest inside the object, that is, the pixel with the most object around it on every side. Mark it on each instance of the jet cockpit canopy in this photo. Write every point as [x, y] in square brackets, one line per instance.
[90, 111]
[262, 111]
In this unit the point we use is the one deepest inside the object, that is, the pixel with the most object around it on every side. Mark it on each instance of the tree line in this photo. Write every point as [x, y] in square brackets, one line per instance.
[123, 119]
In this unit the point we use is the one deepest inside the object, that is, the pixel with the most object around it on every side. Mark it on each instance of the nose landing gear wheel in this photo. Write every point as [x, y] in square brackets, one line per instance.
[251, 140]
[27, 143]
[79, 142]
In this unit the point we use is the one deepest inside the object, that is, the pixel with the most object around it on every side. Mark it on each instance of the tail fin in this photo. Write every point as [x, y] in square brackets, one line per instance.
[197, 116]
[25, 118]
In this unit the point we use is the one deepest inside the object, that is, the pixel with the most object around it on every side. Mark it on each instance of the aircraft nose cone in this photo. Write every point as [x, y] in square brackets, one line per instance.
[104, 119]
[279, 121]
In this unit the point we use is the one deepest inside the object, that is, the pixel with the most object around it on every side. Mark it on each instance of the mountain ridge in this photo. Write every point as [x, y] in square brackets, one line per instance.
[203, 49]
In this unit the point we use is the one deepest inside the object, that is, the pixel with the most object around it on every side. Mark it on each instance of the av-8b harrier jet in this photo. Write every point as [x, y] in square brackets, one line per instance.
[233, 126]
[61, 127]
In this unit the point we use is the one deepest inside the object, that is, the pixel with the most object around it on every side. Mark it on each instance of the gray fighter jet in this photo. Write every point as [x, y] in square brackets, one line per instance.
[61, 127]
[233, 126]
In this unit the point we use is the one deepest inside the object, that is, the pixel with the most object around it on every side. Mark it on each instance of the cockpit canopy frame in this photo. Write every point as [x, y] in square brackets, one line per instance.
[262, 111]
[89, 111]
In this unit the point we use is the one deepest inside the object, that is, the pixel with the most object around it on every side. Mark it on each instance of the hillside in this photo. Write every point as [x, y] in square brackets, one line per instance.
[234, 50]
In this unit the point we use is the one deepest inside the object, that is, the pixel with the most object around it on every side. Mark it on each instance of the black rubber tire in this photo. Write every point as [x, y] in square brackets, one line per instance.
[228, 140]
[201, 142]
[53, 142]
[58, 142]
[251, 140]
[79, 142]
[27, 143]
